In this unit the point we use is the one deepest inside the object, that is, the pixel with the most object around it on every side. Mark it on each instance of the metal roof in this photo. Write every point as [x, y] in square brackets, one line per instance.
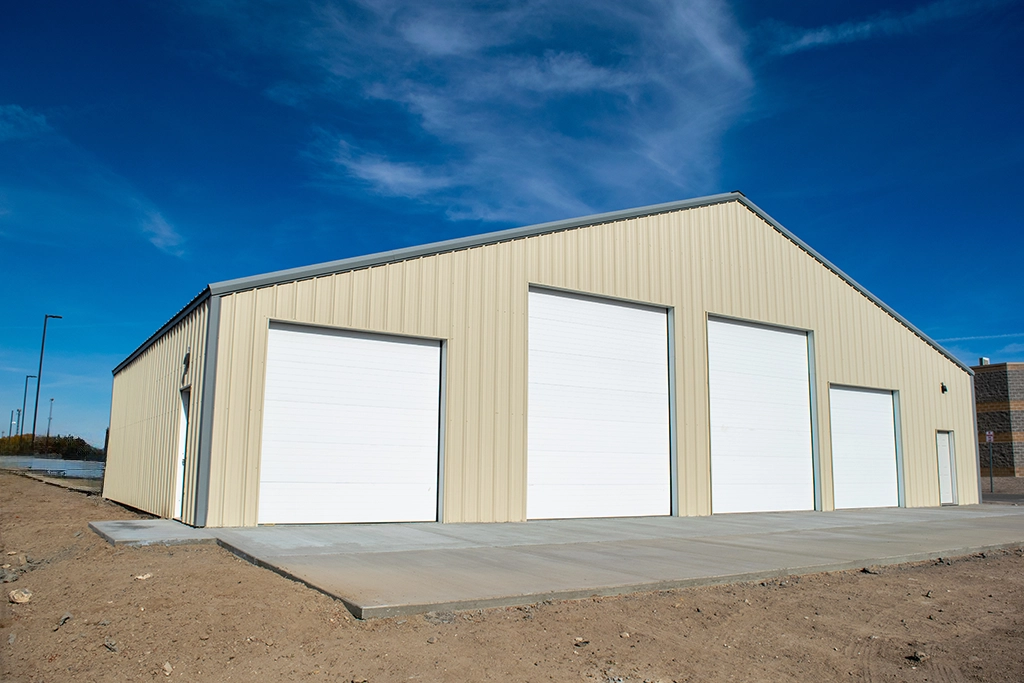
[381, 258]
[189, 307]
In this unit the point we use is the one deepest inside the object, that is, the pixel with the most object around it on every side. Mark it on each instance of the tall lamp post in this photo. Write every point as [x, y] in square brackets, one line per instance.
[24, 397]
[48, 421]
[39, 374]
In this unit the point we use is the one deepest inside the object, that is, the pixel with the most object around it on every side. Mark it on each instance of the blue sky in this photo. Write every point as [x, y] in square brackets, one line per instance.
[149, 148]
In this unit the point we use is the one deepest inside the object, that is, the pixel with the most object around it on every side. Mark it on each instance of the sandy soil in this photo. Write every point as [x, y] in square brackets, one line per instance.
[81, 485]
[203, 614]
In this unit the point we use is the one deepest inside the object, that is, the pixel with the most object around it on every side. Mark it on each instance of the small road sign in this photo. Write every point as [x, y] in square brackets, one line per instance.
[990, 437]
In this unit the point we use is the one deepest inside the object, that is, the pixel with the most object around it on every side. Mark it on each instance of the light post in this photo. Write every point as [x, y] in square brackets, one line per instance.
[48, 421]
[24, 397]
[39, 374]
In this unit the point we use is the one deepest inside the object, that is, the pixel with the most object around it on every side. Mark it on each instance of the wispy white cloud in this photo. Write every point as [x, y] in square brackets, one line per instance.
[161, 234]
[789, 39]
[53, 190]
[17, 123]
[1011, 351]
[984, 336]
[526, 110]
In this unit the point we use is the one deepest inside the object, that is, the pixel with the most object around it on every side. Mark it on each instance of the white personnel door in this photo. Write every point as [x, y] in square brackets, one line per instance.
[350, 427]
[947, 471]
[759, 386]
[598, 411]
[179, 469]
[863, 448]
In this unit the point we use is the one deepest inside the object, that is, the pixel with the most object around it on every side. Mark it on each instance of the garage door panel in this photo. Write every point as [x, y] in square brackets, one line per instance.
[296, 387]
[377, 462]
[746, 497]
[370, 474]
[759, 393]
[343, 419]
[598, 371]
[300, 502]
[357, 372]
[627, 439]
[598, 438]
[759, 418]
[864, 464]
[599, 500]
[589, 403]
[350, 428]
[573, 477]
[759, 470]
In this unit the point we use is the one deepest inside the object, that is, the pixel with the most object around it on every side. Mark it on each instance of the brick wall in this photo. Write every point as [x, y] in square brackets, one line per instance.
[999, 396]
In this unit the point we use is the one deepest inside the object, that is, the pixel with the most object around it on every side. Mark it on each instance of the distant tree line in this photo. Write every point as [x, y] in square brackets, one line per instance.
[65, 447]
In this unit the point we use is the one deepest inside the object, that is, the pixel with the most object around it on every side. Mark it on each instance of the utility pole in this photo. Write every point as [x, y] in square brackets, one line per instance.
[24, 396]
[991, 476]
[990, 436]
[48, 421]
[39, 374]
[17, 425]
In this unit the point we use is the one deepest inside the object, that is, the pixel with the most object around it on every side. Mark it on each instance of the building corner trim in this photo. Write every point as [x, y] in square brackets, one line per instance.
[202, 495]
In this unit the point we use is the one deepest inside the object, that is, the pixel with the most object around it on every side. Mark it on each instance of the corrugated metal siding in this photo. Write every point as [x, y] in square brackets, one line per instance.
[720, 260]
[144, 414]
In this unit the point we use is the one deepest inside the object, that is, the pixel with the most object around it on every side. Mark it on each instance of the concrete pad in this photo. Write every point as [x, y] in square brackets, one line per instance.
[1003, 498]
[87, 486]
[381, 570]
[150, 532]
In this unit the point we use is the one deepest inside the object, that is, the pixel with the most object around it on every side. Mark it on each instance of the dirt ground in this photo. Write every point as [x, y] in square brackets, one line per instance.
[204, 615]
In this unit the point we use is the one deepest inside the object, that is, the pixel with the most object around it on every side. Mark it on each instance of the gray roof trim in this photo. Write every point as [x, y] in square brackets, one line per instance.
[853, 283]
[178, 317]
[370, 260]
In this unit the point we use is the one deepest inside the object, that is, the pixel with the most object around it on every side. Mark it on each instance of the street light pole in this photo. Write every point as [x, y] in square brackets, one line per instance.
[39, 374]
[24, 397]
[48, 421]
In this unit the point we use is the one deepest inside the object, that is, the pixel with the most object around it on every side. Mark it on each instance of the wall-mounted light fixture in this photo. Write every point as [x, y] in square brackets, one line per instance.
[944, 388]
[185, 363]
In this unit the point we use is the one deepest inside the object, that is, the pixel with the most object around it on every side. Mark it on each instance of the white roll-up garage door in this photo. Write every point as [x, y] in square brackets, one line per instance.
[598, 416]
[863, 448]
[759, 389]
[350, 428]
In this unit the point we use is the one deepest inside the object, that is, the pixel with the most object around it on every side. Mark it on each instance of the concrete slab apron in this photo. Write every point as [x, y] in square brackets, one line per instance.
[391, 570]
[139, 532]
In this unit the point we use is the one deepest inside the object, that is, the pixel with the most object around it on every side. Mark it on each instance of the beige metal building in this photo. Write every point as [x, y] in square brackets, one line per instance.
[689, 358]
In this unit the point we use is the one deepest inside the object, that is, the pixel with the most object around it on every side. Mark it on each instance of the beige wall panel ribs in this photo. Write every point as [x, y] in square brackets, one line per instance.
[144, 421]
[721, 259]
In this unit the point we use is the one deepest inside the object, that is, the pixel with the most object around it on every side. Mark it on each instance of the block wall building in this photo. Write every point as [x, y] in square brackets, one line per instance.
[999, 395]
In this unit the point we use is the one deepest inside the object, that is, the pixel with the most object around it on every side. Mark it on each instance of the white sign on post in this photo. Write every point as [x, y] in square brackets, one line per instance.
[990, 437]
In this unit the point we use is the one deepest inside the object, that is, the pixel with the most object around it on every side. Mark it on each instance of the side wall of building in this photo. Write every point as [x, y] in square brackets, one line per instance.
[720, 260]
[999, 391]
[145, 419]
[1015, 390]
